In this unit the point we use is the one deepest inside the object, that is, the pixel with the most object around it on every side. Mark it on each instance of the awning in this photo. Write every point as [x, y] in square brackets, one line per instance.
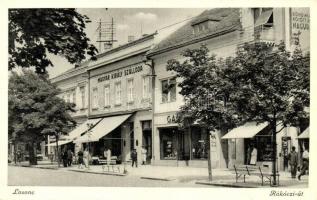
[104, 127]
[77, 132]
[263, 18]
[248, 130]
[62, 142]
[82, 128]
[304, 134]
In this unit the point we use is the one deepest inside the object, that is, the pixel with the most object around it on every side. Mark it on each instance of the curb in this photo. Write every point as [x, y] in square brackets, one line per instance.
[35, 167]
[224, 184]
[102, 173]
[157, 178]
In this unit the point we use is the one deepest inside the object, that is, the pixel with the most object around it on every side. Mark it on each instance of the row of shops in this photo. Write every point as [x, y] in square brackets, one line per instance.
[129, 100]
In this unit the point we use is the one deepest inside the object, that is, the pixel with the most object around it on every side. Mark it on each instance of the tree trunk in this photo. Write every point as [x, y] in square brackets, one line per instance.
[32, 154]
[57, 151]
[209, 157]
[274, 168]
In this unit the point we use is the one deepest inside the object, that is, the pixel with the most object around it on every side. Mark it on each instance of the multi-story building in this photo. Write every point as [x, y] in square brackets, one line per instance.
[120, 100]
[132, 102]
[222, 30]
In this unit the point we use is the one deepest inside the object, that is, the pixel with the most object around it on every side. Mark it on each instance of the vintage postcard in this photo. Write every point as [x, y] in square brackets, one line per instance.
[158, 101]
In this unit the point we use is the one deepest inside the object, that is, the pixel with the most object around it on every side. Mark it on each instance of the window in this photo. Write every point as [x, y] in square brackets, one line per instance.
[68, 98]
[95, 98]
[82, 98]
[107, 96]
[146, 87]
[169, 90]
[118, 93]
[130, 90]
[199, 143]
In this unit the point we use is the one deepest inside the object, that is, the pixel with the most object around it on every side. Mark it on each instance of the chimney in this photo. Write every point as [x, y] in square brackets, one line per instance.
[131, 38]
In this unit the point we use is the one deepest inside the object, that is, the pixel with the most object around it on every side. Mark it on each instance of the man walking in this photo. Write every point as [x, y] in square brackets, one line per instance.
[134, 157]
[305, 163]
[293, 161]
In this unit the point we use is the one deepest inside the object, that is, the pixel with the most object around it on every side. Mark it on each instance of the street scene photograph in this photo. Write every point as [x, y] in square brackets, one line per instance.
[159, 97]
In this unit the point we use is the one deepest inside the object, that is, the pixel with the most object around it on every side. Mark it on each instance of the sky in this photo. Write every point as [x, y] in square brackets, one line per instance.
[129, 21]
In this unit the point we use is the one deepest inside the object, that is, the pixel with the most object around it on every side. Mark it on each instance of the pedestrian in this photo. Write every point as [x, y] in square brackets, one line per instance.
[249, 154]
[143, 151]
[254, 156]
[134, 157]
[86, 158]
[69, 157]
[64, 158]
[80, 159]
[108, 153]
[305, 165]
[293, 161]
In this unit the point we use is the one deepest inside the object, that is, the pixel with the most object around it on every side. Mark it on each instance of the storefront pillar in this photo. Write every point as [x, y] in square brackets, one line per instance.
[126, 141]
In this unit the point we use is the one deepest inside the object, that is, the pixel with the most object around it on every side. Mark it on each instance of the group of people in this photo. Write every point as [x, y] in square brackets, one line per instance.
[252, 155]
[83, 159]
[294, 161]
[134, 157]
[67, 158]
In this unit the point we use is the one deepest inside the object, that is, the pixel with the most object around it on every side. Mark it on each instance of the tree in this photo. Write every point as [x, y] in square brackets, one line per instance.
[35, 32]
[35, 110]
[261, 83]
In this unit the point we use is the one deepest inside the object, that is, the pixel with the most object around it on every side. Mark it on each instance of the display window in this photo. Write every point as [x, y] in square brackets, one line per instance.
[169, 142]
[199, 141]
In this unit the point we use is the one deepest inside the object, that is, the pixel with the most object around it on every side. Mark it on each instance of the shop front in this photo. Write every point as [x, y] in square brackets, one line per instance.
[175, 146]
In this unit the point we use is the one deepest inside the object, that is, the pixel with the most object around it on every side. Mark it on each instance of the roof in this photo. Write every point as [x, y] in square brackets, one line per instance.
[225, 20]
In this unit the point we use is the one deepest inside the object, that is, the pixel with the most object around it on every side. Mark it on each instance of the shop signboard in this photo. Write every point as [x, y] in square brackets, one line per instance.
[213, 141]
[300, 27]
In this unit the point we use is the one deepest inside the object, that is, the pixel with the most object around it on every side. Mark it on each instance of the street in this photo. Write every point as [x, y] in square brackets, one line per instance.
[24, 176]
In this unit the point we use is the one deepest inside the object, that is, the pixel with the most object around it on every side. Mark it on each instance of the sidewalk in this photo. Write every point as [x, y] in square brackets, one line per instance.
[220, 177]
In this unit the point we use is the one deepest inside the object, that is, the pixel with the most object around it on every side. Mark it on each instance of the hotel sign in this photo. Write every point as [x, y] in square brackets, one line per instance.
[120, 73]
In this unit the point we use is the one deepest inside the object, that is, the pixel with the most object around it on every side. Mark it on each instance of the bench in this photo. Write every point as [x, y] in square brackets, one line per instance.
[262, 172]
[111, 168]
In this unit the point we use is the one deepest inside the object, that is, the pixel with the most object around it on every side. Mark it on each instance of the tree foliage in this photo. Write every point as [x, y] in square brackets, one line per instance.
[35, 32]
[35, 110]
[261, 83]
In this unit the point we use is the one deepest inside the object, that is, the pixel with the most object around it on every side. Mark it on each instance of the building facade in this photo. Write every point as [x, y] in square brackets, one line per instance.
[222, 31]
[120, 98]
[131, 101]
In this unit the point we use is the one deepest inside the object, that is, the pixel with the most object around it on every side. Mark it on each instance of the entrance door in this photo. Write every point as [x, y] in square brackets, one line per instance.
[147, 144]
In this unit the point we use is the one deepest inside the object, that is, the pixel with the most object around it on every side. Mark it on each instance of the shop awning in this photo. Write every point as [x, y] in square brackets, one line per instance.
[304, 134]
[263, 18]
[81, 129]
[77, 132]
[248, 130]
[104, 127]
[62, 142]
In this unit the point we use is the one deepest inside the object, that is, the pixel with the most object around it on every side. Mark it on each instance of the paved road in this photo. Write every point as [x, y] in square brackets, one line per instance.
[23, 176]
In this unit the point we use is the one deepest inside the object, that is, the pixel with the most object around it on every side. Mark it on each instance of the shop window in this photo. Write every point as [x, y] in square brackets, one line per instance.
[199, 140]
[168, 143]
[118, 93]
[168, 90]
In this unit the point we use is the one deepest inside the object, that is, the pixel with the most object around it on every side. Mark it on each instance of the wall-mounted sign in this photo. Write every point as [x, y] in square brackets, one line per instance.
[120, 73]
[300, 27]
[171, 119]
